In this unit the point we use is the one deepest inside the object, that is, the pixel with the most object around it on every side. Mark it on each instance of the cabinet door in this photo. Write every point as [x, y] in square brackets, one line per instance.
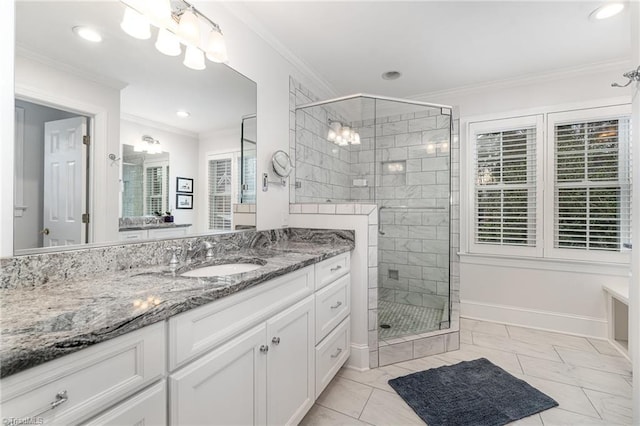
[225, 387]
[146, 408]
[290, 364]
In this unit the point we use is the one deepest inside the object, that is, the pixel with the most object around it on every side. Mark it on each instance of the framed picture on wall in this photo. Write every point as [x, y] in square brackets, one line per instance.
[184, 201]
[184, 185]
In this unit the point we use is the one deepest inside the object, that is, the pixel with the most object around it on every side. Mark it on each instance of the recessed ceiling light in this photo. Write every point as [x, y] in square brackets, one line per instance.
[88, 34]
[606, 11]
[182, 114]
[391, 75]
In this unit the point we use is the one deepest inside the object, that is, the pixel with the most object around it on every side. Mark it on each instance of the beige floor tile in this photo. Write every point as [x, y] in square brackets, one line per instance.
[570, 398]
[506, 360]
[559, 417]
[576, 376]
[612, 408]
[538, 350]
[483, 327]
[465, 336]
[604, 347]
[322, 416]
[530, 335]
[534, 420]
[377, 377]
[386, 408]
[345, 396]
[597, 361]
[425, 363]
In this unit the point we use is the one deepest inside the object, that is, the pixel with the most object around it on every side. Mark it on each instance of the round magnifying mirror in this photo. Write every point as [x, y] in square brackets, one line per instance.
[281, 163]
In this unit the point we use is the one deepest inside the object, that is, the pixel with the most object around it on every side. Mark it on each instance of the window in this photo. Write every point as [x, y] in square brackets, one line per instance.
[505, 196]
[156, 187]
[591, 183]
[564, 193]
[220, 193]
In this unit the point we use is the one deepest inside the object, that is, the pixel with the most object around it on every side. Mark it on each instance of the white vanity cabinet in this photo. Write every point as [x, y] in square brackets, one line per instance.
[156, 233]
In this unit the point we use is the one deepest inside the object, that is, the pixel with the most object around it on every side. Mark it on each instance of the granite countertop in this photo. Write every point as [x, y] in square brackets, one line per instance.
[153, 226]
[56, 318]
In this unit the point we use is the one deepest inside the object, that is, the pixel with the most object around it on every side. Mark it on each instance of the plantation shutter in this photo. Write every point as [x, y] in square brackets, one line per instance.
[592, 184]
[220, 193]
[154, 190]
[505, 169]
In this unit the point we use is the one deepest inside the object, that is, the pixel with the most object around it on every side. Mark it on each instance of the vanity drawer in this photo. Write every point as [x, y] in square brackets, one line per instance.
[132, 235]
[332, 305]
[331, 354]
[199, 330]
[92, 379]
[329, 270]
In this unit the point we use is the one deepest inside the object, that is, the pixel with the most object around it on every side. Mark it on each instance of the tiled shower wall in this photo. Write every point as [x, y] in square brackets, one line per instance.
[132, 196]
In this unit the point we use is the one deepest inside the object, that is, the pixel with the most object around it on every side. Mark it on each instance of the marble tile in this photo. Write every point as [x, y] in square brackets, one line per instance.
[426, 363]
[345, 396]
[539, 350]
[612, 408]
[386, 408]
[538, 336]
[558, 416]
[322, 416]
[345, 209]
[604, 347]
[327, 209]
[377, 377]
[428, 346]
[570, 398]
[309, 208]
[391, 354]
[506, 360]
[595, 360]
[465, 336]
[373, 359]
[576, 376]
[452, 341]
[483, 327]
[534, 420]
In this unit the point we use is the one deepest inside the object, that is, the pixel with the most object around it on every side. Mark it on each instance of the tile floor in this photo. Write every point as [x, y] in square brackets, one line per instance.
[590, 380]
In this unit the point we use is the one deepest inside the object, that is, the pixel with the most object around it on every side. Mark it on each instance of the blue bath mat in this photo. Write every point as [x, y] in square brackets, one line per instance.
[476, 393]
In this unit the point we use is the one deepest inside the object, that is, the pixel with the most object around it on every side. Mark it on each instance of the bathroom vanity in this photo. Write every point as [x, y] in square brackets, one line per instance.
[251, 348]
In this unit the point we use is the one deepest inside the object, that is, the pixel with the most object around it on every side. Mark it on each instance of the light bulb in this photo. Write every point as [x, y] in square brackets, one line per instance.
[189, 28]
[168, 43]
[194, 58]
[444, 147]
[356, 139]
[135, 24]
[345, 132]
[216, 47]
[338, 140]
[159, 12]
[431, 148]
[331, 135]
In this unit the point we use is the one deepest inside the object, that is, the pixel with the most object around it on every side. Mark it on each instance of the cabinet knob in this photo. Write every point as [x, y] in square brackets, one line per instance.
[337, 305]
[264, 348]
[337, 353]
[275, 340]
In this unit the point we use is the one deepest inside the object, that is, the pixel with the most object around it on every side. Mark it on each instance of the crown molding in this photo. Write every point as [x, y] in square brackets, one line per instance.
[243, 14]
[113, 83]
[559, 74]
[156, 125]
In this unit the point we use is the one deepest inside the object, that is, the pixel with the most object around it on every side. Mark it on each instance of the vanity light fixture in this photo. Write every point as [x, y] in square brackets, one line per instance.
[88, 34]
[149, 145]
[182, 113]
[607, 10]
[178, 22]
[342, 135]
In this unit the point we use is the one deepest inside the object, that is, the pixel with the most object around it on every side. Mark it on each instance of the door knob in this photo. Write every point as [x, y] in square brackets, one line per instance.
[45, 231]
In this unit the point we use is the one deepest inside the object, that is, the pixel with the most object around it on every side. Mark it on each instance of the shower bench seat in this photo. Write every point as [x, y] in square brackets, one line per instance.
[618, 315]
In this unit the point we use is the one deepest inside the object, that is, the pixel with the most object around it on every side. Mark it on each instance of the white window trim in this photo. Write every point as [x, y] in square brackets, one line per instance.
[591, 114]
[500, 125]
[467, 166]
[233, 156]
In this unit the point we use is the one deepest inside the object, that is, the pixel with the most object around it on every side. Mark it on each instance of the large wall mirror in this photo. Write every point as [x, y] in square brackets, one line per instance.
[116, 141]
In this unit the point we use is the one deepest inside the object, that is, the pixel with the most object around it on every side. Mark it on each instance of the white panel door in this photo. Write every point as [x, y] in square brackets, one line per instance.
[64, 182]
[290, 364]
[225, 387]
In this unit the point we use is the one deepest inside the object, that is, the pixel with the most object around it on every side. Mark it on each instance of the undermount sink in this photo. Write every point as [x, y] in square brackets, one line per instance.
[221, 270]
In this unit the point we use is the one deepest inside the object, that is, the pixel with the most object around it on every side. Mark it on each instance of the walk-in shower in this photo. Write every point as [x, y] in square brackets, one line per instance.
[393, 153]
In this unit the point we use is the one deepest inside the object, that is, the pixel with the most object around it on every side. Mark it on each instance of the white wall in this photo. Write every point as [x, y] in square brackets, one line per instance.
[40, 82]
[7, 12]
[541, 294]
[183, 158]
[27, 227]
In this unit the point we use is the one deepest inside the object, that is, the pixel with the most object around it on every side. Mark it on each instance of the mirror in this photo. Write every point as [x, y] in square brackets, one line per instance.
[281, 163]
[100, 146]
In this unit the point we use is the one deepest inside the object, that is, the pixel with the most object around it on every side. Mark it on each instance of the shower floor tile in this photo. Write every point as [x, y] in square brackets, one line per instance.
[406, 319]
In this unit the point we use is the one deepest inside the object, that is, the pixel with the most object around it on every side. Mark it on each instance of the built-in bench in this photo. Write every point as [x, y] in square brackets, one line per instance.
[618, 315]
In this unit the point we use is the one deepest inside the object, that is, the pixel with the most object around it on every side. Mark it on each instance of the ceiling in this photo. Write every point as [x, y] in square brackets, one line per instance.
[155, 85]
[440, 45]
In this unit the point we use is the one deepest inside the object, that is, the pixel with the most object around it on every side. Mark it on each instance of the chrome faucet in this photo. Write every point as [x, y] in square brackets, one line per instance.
[192, 251]
[173, 263]
[209, 248]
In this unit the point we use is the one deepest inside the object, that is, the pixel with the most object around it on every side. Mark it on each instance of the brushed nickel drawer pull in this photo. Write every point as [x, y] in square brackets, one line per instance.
[337, 353]
[337, 268]
[275, 340]
[264, 348]
[61, 397]
[337, 305]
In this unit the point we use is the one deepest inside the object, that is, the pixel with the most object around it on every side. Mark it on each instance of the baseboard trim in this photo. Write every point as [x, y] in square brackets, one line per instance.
[359, 358]
[542, 320]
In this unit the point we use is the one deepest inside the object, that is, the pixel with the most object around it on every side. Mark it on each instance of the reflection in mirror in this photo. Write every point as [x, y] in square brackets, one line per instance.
[120, 90]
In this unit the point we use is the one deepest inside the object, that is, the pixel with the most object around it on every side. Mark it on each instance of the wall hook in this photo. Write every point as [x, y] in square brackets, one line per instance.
[633, 75]
[113, 159]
